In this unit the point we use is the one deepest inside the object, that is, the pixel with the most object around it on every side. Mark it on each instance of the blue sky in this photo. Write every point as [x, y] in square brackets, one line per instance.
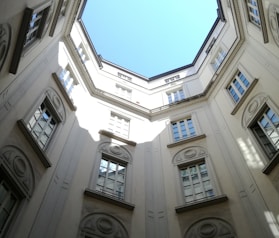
[149, 37]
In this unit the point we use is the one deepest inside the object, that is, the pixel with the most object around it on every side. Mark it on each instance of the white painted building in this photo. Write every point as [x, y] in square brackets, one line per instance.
[89, 149]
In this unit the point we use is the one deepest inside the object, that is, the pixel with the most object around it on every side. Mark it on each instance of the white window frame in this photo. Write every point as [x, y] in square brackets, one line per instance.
[123, 92]
[218, 58]
[82, 53]
[48, 127]
[176, 95]
[113, 165]
[253, 12]
[206, 188]
[119, 125]
[270, 135]
[68, 79]
[238, 86]
[185, 127]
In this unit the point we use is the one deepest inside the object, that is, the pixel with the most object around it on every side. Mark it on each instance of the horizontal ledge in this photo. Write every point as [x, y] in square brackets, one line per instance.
[111, 135]
[187, 140]
[202, 203]
[110, 199]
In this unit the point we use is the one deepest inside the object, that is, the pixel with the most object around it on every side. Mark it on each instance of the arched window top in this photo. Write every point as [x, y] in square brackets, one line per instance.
[115, 150]
[102, 225]
[210, 228]
[19, 168]
[189, 154]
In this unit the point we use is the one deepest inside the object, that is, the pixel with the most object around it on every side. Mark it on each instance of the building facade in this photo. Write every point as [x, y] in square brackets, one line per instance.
[90, 149]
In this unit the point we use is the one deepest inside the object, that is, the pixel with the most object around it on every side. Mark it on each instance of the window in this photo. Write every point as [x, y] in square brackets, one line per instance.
[183, 129]
[82, 53]
[218, 59]
[67, 79]
[123, 92]
[9, 201]
[119, 125]
[196, 183]
[253, 12]
[176, 96]
[42, 125]
[266, 131]
[111, 178]
[238, 86]
[33, 26]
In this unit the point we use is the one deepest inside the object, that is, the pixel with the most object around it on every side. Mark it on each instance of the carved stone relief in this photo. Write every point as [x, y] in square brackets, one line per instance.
[188, 154]
[252, 109]
[57, 103]
[273, 17]
[18, 167]
[210, 228]
[5, 38]
[102, 225]
[115, 150]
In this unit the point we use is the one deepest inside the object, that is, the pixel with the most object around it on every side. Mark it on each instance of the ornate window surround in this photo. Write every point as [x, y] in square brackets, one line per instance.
[57, 108]
[193, 155]
[118, 153]
[250, 114]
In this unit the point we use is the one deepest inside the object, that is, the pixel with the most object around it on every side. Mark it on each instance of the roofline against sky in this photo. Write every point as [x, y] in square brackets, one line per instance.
[99, 59]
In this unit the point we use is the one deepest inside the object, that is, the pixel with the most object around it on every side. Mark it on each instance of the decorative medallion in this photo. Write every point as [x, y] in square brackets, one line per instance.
[210, 228]
[188, 154]
[115, 150]
[252, 109]
[19, 168]
[102, 225]
[5, 38]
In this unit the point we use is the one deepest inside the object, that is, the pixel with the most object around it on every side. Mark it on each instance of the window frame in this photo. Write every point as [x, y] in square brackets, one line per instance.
[15, 207]
[188, 134]
[127, 92]
[253, 28]
[172, 94]
[112, 130]
[189, 165]
[247, 90]
[187, 157]
[57, 109]
[20, 46]
[53, 116]
[260, 103]
[117, 162]
[216, 62]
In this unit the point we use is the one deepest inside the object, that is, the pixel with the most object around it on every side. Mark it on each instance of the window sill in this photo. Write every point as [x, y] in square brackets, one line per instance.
[241, 101]
[200, 204]
[41, 154]
[111, 135]
[271, 164]
[110, 199]
[64, 92]
[181, 142]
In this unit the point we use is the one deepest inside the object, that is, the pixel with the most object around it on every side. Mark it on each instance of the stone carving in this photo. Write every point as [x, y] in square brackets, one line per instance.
[190, 153]
[5, 38]
[102, 225]
[115, 150]
[19, 168]
[273, 17]
[252, 109]
[56, 103]
[210, 228]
